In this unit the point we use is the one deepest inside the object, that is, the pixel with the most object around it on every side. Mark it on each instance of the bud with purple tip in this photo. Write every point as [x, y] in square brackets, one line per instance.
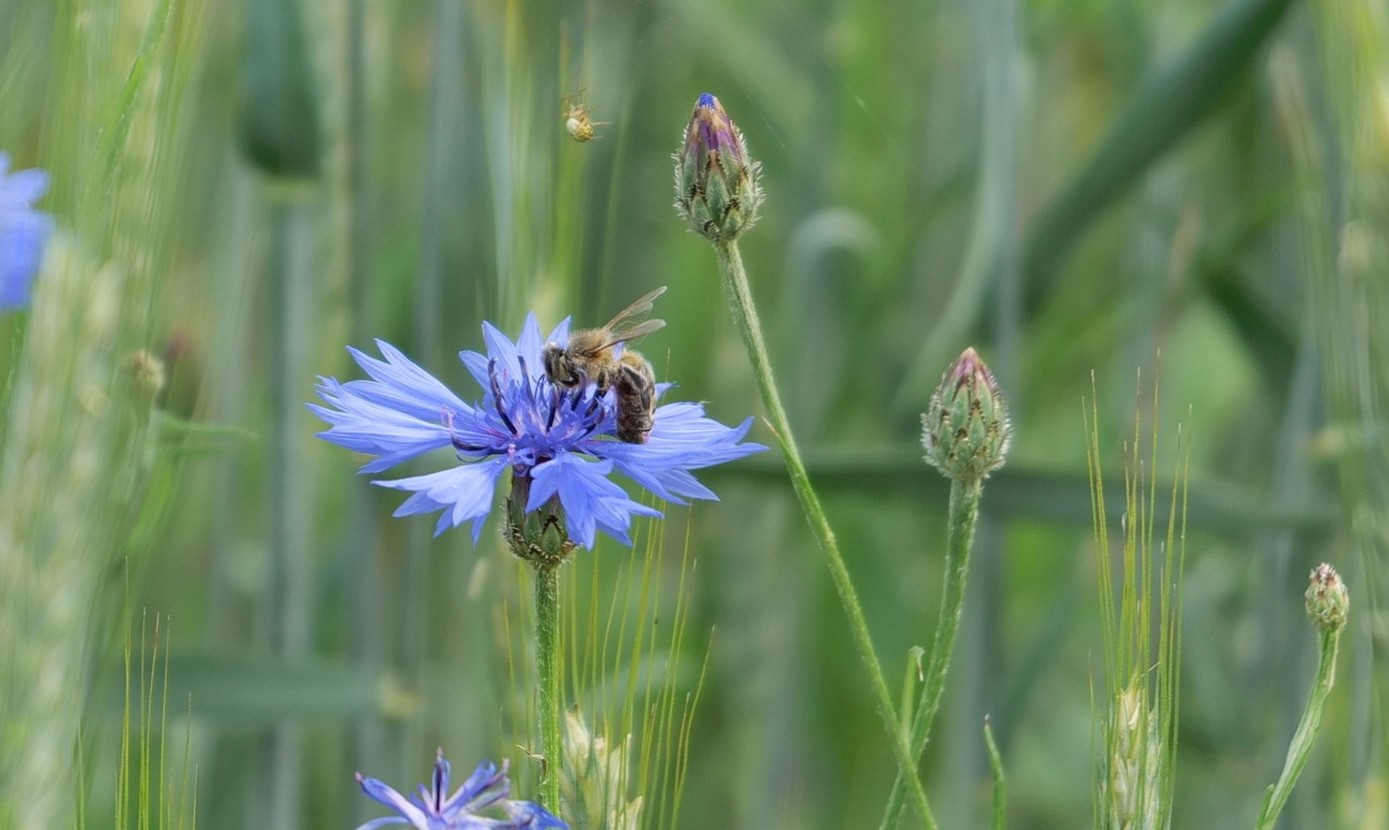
[1327, 601]
[716, 182]
[965, 431]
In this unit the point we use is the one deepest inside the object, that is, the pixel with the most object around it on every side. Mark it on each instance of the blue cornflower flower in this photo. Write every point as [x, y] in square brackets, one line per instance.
[561, 440]
[434, 809]
[23, 232]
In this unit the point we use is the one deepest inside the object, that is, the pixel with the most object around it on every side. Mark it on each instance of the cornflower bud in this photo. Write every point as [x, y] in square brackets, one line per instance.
[965, 431]
[1327, 601]
[716, 182]
[148, 373]
[539, 536]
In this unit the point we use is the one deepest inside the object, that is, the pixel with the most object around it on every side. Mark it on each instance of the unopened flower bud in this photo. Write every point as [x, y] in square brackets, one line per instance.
[1327, 602]
[147, 372]
[966, 431]
[538, 535]
[716, 187]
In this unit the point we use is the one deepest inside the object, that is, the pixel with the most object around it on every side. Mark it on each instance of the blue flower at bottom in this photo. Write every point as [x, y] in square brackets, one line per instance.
[24, 232]
[434, 809]
[562, 439]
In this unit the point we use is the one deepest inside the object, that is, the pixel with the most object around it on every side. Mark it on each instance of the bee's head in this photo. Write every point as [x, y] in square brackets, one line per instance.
[558, 367]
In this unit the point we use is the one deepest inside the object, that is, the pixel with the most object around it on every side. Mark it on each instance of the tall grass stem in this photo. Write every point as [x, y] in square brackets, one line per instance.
[735, 284]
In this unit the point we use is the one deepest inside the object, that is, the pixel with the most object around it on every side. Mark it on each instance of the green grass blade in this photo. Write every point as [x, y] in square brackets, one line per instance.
[279, 120]
[1176, 99]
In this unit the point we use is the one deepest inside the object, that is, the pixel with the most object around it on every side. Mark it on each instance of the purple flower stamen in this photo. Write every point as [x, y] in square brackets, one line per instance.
[497, 396]
[556, 401]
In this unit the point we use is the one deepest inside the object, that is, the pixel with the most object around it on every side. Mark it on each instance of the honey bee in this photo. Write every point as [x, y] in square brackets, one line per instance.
[636, 398]
[577, 122]
[589, 357]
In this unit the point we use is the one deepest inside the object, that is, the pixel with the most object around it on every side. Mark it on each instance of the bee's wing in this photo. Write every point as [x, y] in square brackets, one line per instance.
[641, 306]
[636, 332]
[596, 341]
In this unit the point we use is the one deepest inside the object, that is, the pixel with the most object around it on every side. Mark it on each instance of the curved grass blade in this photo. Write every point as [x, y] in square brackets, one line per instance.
[1165, 110]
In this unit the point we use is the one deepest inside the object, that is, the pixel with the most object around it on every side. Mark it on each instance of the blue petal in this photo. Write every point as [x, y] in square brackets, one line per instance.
[686, 441]
[673, 485]
[561, 333]
[485, 787]
[403, 385]
[499, 348]
[351, 428]
[613, 515]
[22, 189]
[463, 492]
[528, 345]
[477, 367]
[529, 816]
[382, 822]
[590, 499]
[365, 425]
[682, 439]
[23, 237]
[389, 797]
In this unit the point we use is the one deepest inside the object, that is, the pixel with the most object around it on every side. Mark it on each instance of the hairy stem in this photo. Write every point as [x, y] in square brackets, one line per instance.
[735, 284]
[549, 669]
[964, 515]
[1301, 747]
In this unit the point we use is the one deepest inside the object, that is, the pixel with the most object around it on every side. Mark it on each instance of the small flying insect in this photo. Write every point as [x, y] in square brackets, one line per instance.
[589, 357]
[578, 123]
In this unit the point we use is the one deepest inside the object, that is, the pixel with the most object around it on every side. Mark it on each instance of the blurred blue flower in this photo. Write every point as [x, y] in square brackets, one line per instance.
[23, 232]
[434, 809]
[562, 439]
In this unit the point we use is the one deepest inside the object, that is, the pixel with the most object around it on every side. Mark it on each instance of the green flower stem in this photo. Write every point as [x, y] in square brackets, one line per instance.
[548, 662]
[735, 283]
[1000, 799]
[1301, 747]
[964, 515]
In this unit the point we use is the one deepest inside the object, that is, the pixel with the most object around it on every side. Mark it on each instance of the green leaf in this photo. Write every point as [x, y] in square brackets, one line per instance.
[255, 690]
[1164, 110]
[279, 122]
[1031, 493]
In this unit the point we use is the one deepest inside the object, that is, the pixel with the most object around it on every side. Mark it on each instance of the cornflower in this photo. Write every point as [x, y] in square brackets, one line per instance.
[558, 443]
[476, 805]
[24, 232]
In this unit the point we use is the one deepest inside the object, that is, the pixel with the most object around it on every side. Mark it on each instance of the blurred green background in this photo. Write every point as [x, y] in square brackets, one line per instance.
[1082, 190]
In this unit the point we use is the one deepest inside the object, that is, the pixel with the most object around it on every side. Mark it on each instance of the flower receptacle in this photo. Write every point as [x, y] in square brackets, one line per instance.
[965, 431]
[538, 536]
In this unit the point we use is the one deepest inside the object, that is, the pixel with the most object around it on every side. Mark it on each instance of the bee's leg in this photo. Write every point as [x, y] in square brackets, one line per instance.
[603, 381]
